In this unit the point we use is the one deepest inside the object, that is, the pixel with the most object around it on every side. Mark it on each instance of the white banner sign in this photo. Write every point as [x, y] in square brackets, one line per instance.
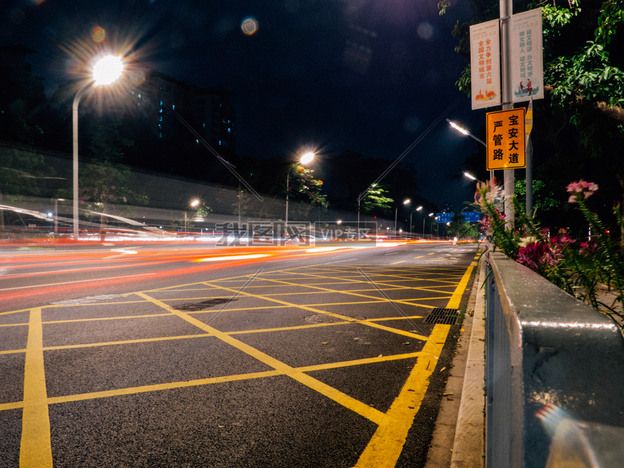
[485, 65]
[527, 69]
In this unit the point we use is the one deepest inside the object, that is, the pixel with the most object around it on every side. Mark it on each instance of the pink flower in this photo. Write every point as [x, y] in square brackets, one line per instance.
[576, 189]
[537, 255]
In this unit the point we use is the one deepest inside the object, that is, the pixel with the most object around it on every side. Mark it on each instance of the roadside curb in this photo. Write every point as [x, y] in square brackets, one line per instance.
[459, 436]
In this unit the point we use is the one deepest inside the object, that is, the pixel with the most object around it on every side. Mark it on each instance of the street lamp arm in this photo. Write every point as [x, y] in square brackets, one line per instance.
[465, 132]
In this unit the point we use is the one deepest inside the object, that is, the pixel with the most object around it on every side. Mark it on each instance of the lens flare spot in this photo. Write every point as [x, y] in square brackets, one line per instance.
[249, 26]
[98, 34]
[425, 31]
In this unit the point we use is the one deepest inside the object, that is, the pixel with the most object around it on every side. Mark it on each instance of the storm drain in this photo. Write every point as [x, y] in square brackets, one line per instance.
[443, 316]
[194, 306]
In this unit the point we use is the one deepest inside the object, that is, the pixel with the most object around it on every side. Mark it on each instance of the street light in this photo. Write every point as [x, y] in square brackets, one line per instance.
[468, 175]
[430, 215]
[465, 132]
[193, 204]
[304, 160]
[407, 201]
[417, 209]
[105, 71]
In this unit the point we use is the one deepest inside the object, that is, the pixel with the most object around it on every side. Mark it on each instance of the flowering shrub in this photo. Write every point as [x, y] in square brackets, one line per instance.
[585, 269]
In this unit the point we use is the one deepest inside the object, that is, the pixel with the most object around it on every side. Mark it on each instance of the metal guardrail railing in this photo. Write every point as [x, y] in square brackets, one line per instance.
[554, 374]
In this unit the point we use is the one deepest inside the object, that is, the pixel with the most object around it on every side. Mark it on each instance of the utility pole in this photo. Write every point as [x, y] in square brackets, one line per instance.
[506, 10]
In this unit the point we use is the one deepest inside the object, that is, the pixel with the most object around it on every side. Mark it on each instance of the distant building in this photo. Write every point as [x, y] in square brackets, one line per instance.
[208, 111]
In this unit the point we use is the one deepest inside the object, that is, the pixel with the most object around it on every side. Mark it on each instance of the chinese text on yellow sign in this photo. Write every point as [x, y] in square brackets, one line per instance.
[505, 139]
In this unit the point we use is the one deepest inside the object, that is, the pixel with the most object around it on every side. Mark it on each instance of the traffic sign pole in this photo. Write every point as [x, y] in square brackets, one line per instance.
[506, 10]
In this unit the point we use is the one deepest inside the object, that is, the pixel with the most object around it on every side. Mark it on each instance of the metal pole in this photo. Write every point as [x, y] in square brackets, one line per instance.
[75, 104]
[396, 212]
[287, 191]
[506, 10]
[424, 219]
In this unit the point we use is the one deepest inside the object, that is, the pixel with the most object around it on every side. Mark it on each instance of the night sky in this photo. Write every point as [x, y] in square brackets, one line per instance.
[363, 75]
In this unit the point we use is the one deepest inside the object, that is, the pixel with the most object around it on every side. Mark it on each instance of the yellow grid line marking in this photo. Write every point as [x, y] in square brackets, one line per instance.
[330, 392]
[331, 314]
[331, 291]
[387, 443]
[204, 335]
[35, 446]
[211, 380]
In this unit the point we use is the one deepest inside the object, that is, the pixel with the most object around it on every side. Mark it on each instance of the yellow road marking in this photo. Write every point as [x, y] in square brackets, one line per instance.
[331, 314]
[35, 447]
[330, 392]
[204, 335]
[211, 381]
[387, 443]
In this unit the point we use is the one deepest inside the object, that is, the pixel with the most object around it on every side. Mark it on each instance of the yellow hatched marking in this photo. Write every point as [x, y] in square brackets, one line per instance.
[330, 392]
[386, 445]
[35, 447]
[204, 335]
[211, 381]
[348, 293]
[331, 314]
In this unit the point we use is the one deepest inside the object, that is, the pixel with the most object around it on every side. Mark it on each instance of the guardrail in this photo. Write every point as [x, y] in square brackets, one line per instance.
[554, 374]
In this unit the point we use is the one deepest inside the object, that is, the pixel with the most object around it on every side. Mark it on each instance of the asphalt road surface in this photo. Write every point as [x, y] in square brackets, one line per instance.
[333, 356]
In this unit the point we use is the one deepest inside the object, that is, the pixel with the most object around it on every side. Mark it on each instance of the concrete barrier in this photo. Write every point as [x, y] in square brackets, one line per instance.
[554, 374]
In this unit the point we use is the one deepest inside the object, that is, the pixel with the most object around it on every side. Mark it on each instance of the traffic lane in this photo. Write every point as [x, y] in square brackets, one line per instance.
[103, 275]
[202, 293]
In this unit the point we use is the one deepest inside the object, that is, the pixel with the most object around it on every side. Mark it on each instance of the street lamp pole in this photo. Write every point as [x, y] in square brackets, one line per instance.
[417, 209]
[75, 104]
[306, 158]
[407, 201]
[105, 71]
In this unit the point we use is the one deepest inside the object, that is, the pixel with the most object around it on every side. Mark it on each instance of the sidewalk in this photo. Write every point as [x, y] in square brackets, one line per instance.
[459, 436]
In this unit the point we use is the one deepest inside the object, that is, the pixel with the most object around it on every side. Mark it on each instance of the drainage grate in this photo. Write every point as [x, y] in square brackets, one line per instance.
[204, 304]
[443, 316]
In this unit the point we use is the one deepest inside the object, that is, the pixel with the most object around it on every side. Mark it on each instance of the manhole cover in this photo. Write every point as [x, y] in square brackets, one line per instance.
[204, 304]
[320, 318]
[443, 316]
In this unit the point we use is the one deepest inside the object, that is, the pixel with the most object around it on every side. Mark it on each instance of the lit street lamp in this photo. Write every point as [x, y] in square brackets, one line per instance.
[465, 132]
[105, 71]
[417, 209]
[304, 160]
[193, 204]
[468, 175]
[430, 215]
[407, 201]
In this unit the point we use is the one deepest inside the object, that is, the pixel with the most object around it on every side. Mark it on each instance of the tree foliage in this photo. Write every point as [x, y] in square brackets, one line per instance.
[377, 201]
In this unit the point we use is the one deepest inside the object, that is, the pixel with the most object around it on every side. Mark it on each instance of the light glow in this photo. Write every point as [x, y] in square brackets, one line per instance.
[461, 130]
[232, 257]
[307, 158]
[107, 70]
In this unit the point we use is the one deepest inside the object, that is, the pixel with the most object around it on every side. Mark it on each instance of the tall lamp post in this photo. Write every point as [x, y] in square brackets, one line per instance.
[105, 71]
[417, 209]
[430, 215]
[304, 160]
[407, 201]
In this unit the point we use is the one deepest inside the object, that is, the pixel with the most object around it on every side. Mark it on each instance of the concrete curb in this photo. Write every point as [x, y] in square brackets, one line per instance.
[459, 436]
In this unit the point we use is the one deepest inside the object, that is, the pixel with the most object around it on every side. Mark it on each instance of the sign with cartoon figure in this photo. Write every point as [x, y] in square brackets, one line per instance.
[505, 144]
[485, 65]
[527, 72]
